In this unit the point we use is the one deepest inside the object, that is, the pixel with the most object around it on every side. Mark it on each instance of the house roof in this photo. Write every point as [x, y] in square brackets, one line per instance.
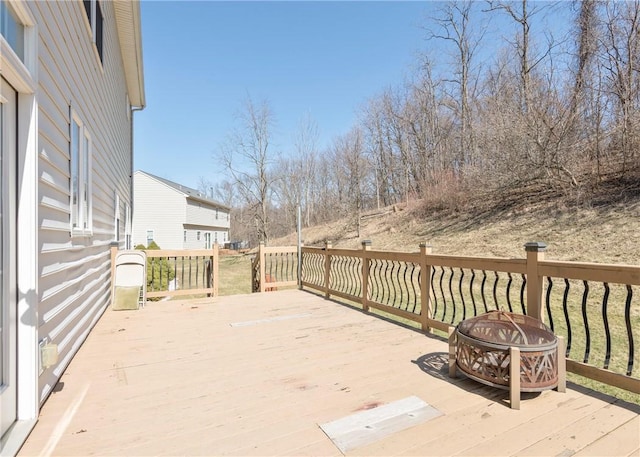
[129, 33]
[188, 192]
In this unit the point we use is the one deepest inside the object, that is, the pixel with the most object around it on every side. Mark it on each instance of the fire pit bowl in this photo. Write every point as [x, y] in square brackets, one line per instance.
[486, 345]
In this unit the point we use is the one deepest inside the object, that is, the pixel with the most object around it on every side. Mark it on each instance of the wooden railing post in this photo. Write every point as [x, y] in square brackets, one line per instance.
[366, 246]
[535, 253]
[327, 268]
[425, 287]
[262, 266]
[215, 267]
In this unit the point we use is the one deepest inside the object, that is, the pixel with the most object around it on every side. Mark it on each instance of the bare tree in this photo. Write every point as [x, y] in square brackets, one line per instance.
[454, 25]
[247, 156]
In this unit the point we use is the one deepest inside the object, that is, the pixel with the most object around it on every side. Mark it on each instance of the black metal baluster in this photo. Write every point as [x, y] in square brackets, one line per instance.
[605, 321]
[182, 272]
[627, 319]
[566, 314]
[435, 295]
[464, 308]
[495, 290]
[453, 300]
[585, 320]
[393, 296]
[484, 299]
[377, 272]
[444, 299]
[416, 296]
[473, 300]
[404, 287]
[522, 289]
[549, 287]
[509, 291]
[160, 274]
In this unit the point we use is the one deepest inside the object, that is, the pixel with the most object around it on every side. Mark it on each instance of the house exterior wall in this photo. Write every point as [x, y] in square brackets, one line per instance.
[63, 278]
[201, 213]
[178, 220]
[157, 207]
[74, 285]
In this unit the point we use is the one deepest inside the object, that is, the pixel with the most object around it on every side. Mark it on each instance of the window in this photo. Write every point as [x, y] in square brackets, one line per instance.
[185, 236]
[94, 15]
[80, 173]
[216, 214]
[198, 236]
[149, 237]
[12, 29]
[117, 219]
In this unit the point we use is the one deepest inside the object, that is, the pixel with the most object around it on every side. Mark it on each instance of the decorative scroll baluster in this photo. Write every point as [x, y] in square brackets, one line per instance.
[473, 301]
[627, 319]
[522, 290]
[453, 300]
[444, 299]
[566, 313]
[434, 294]
[509, 292]
[416, 295]
[548, 300]
[605, 322]
[585, 320]
[484, 298]
[495, 290]
[392, 291]
[464, 308]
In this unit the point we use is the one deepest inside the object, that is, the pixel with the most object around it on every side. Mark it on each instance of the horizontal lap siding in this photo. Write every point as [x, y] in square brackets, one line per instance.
[75, 271]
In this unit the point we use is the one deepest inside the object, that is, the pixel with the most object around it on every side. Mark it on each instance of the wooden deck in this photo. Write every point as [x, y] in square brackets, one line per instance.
[258, 374]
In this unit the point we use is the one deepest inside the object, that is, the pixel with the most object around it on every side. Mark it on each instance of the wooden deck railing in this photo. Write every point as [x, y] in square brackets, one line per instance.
[600, 322]
[172, 273]
[274, 267]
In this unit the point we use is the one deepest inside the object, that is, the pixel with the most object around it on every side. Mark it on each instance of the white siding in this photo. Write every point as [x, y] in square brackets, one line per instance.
[160, 208]
[200, 213]
[75, 271]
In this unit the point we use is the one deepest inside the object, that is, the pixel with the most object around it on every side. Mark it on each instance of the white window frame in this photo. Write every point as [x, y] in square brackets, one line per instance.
[22, 74]
[149, 240]
[81, 212]
[116, 221]
[94, 6]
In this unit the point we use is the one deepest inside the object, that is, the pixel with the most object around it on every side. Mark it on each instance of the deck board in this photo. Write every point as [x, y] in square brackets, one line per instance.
[176, 378]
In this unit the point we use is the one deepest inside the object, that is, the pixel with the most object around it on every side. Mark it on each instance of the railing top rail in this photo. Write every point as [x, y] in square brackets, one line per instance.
[479, 263]
[278, 249]
[609, 273]
[179, 252]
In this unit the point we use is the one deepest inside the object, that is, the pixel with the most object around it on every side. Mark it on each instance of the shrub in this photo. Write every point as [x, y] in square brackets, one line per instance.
[159, 271]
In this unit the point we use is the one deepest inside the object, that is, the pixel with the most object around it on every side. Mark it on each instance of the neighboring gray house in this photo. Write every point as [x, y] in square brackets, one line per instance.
[176, 216]
[71, 75]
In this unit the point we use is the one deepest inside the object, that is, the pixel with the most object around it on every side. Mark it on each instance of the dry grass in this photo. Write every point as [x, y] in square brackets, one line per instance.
[235, 274]
[589, 234]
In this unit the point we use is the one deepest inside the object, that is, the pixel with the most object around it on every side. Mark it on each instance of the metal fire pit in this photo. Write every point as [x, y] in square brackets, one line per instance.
[486, 345]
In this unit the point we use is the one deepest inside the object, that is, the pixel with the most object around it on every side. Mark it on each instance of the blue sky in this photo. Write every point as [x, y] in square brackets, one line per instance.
[322, 59]
[203, 58]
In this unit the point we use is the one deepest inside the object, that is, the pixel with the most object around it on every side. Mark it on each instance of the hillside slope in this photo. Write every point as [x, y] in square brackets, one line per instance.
[605, 233]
